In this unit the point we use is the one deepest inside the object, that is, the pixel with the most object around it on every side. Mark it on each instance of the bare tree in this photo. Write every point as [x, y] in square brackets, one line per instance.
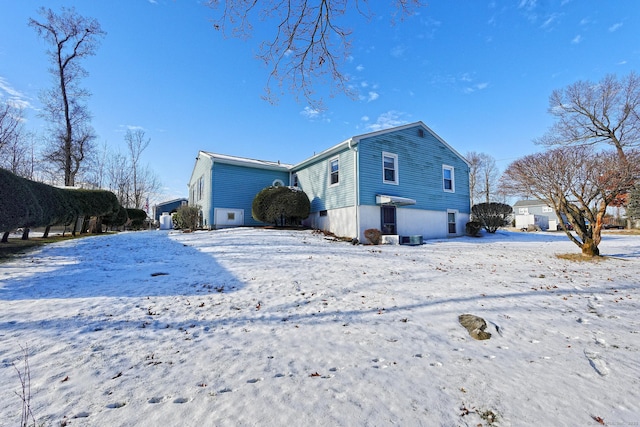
[475, 163]
[97, 169]
[483, 177]
[309, 44]
[633, 205]
[148, 186]
[590, 113]
[489, 175]
[578, 182]
[18, 155]
[118, 177]
[11, 118]
[136, 143]
[72, 38]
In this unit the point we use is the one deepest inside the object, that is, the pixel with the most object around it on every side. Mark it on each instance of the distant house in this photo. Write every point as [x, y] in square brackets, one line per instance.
[169, 207]
[404, 181]
[535, 213]
[224, 187]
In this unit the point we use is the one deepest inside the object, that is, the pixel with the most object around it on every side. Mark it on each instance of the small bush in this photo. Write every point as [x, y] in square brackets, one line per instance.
[472, 228]
[373, 235]
[187, 217]
[492, 215]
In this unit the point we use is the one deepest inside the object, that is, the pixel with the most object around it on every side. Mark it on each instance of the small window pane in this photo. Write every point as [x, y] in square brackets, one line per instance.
[447, 175]
[335, 171]
[389, 175]
[451, 218]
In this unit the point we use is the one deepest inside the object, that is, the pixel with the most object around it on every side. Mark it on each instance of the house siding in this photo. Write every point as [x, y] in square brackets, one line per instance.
[419, 169]
[202, 169]
[234, 187]
[314, 180]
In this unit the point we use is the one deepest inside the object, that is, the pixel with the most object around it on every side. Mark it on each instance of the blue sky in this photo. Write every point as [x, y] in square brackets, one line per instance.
[479, 73]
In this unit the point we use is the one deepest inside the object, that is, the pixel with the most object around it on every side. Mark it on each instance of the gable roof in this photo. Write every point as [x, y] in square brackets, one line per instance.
[521, 203]
[181, 199]
[243, 161]
[354, 140]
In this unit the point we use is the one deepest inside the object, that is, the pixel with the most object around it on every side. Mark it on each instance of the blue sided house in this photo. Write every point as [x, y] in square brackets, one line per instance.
[404, 181]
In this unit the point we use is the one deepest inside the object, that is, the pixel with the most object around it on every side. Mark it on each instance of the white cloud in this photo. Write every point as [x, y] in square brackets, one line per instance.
[360, 67]
[577, 39]
[387, 120]
[615, 27]
[123, 128]
[310, 113]
[373, 96]
[527, 4]
[365, 118]
[550, 21]
[466, 77]
[13, 96]
[476, 87]
[398, 51]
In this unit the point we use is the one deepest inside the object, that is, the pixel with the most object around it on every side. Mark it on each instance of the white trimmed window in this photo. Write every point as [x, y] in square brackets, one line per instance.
[451, 221]
[334, 171]
[448, 179]
[390, 168]
[547, 209]
[200, 187]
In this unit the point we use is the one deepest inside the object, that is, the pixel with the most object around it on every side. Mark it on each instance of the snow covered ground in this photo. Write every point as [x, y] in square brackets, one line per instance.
[247, 327]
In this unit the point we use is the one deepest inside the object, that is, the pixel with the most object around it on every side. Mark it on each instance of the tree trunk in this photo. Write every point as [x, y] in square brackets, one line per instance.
[98, 229]
[46, 232]
[85, 225]
[590, 249]
[25, 233]
[75, 227]
[5, 237]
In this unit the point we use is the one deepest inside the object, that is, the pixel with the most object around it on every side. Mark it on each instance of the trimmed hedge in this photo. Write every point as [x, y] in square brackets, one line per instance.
[25, 203]
[287, 205]
[137, 217]
[18, 205]
[116, 219]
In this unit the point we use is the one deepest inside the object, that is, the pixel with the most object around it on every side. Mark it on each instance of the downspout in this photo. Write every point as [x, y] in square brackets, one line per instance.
[212, 219]
[356, 164]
